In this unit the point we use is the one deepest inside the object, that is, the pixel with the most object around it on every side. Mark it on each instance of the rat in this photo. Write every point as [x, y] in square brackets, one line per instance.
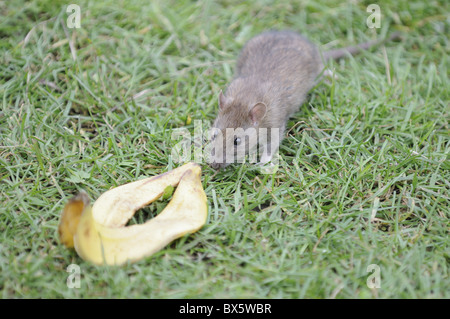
[274, 72]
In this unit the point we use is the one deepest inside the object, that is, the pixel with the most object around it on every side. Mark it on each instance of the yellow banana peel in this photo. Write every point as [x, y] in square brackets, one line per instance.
[101, 236]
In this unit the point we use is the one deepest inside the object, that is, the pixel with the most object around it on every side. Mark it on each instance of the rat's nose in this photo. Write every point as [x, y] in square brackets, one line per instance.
[215, 165]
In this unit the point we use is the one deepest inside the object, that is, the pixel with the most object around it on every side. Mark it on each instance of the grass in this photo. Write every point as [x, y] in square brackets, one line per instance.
[364, 171]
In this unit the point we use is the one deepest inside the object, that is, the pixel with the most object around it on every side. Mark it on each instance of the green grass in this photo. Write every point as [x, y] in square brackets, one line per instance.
[364, 172]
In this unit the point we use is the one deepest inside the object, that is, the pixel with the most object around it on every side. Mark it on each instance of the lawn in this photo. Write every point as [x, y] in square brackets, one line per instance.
[362, 187]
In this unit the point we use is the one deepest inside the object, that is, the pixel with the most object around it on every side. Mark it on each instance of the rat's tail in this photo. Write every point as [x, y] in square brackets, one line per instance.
[352, 50]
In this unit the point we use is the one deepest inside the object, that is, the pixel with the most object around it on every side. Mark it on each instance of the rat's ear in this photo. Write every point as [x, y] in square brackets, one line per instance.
[257, 113]
[223, 100]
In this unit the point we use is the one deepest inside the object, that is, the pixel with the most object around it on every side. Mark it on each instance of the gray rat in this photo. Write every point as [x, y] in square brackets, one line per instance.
[274, 72]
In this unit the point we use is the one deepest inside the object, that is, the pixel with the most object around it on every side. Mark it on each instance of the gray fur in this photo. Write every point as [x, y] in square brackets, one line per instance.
[275, 69]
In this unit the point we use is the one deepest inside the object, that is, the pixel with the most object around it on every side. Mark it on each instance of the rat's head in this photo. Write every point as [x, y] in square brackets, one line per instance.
[235, 130]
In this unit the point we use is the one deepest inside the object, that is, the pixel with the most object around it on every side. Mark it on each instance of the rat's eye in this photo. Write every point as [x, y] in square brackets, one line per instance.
[237, 141]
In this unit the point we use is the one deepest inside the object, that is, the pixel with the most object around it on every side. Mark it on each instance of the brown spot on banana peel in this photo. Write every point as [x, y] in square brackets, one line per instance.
[156, 177]
[70, 218]
[164, 174]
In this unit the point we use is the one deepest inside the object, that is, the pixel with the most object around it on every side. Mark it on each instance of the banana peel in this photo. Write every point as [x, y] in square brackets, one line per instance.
[71, 217]
[101, 236]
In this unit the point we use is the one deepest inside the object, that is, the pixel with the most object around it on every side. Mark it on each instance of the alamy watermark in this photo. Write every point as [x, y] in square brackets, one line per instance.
[374, 279]
[74, 279]
[74, 18]
[374, 20]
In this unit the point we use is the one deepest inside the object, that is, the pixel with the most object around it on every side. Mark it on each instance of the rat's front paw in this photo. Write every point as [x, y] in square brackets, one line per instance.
[267, 168]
